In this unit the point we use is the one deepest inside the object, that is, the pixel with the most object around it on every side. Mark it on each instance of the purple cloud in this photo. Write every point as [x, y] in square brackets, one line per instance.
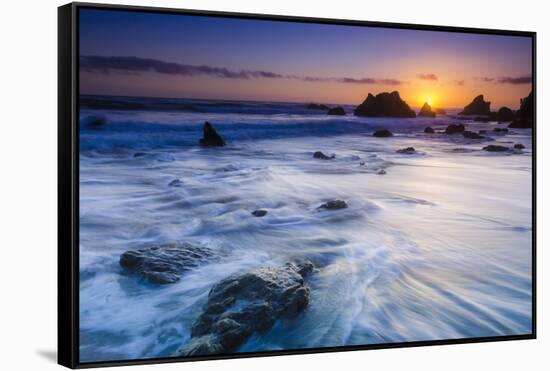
[515, 80]
[428, 77]
[99, 64]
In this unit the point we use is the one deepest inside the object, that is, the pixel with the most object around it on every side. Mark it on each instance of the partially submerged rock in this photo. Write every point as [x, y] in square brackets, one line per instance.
[317, 106]
[500, 130]
[320, 155]
[495, 148]
[383, 133]
[140, 154]
[504, 114]
[471, 135]
[336, 111]
[259, 213]
[165, 263]
[211, 136]
[519, 146]
[94, 122]
[384, 105]
[175, 183]
[429, 130]
[407, 151]
[477, 107]
[455, 128]
[248, 303]
[334, 205]
[426, 111]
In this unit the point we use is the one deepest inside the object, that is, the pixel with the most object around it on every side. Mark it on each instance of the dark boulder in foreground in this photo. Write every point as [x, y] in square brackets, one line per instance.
[454, 129]
[211, 136]
[164, 264]
[429, 130]
[248, 303]
[336, 111]
[406, 151]
[320, 155]
[477, 107]
[318, 106]
[471, 135]
[519, 146]
[495, 148]
[504, 114]
[384, 105]
[259, 213]
[383, 133]
[426, 111]
[334, 205]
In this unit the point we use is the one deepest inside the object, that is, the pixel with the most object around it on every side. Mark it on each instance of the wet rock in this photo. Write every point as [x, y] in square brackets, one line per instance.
[495, 148]
[317, 106]
[471, 135]
[519, 146]
[455, 128]
[384, 133]
[211, 137]
[248, 303]
[477, 107]
[165, 263]
[259, 213]
[384, 105]
[429, 130]
[407, 151]
[336, 111]
[426, 111]
[175, 183]
[482, 131]
[500, 130]
[320, 155]
[140, 154]
[334, 205]
[381, 172]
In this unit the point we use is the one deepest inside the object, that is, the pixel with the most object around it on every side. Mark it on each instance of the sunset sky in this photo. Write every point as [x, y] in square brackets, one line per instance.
[160, 55]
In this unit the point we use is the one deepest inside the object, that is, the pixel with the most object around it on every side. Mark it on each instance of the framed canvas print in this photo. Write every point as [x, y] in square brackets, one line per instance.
[237, 185]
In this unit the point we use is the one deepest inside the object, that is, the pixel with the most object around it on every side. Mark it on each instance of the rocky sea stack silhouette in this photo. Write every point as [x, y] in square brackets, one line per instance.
[477, 107]
[525, 114]
[384, 105]
[426, 111]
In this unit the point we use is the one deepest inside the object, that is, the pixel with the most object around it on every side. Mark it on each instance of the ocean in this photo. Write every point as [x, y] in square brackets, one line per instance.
[434, 245]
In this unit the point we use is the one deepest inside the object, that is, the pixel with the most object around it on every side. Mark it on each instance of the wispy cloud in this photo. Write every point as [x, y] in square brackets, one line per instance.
[460, 82]
[100, 64]
[507, 80]
[428, 77]
[515, 80]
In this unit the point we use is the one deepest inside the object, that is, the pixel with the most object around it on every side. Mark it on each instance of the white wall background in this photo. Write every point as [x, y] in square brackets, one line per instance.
[28, 169]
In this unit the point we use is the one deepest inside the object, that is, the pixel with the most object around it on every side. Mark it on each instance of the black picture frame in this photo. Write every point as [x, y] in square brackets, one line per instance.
[68, 184]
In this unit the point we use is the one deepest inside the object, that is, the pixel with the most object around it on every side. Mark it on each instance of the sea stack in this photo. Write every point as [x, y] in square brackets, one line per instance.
[525, 114]
[384, 105]
[211, 137]
[426, 111]
[477, 107]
